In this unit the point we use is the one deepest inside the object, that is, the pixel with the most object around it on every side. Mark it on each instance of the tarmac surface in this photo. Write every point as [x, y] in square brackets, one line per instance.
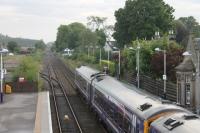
[18, 113]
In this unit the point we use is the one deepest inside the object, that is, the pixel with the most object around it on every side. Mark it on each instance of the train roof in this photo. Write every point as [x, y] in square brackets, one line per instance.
[134, 100]
[177, 123]
[141, 103]
[86, 72]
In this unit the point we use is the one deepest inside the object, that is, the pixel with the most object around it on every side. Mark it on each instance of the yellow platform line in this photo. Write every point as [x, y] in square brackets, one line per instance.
[37, 128]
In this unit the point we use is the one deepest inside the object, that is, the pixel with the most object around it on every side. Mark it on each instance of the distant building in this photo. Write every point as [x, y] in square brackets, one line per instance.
[26, 50]
[67, 52]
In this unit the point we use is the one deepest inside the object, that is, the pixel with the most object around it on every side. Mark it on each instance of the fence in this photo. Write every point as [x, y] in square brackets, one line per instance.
[153, 86]
[24, 87]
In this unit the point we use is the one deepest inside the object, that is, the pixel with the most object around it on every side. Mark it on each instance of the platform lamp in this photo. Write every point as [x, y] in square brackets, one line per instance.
[2, 51]
[164, 75]
[138, 62]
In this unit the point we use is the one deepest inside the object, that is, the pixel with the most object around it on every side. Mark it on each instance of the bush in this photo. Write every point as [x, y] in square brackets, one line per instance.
[28, 69]
[104, 63]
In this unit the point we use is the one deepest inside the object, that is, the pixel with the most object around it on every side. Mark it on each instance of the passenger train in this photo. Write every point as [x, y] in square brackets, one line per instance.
[125, 109]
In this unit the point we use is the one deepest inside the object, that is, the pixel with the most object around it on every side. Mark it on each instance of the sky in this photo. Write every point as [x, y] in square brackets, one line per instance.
[39, 19]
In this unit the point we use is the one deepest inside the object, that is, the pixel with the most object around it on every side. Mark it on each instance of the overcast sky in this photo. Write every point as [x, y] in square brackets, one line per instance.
[39, 19]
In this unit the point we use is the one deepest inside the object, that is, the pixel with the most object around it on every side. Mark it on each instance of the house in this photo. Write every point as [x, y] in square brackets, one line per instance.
[110, 46]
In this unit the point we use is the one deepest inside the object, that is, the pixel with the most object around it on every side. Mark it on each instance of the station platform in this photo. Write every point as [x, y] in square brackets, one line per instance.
[43, 123]
[25, 113]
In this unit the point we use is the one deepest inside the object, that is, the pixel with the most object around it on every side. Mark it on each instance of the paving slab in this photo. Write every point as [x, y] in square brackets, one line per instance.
[17, 113]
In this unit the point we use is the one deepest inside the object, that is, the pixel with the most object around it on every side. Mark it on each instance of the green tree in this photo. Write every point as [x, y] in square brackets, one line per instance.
[181, 32]
[101, 40]
[88, 38]
[141, 18]
[190, 22]
[40, 45]
[98, 24]
[68, 36]
[76, 35]
[13, 46]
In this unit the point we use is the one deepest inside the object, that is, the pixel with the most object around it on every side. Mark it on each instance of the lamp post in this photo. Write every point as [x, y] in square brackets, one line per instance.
[165, 75]
[119, 61]
[2, 74]
[119, 64]
[138, 63]
[108, 59]
[87, 50]
[100, 56]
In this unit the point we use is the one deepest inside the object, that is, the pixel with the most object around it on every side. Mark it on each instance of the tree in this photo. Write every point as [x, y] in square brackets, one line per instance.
[88, 38]
[141, 18]
[190, 22]
[96, 23]
[13, 46]
[76, 35]
[109, 29]
[40, 45]
[174, 58]
[181, 32]
[68, 36]
[101, 38]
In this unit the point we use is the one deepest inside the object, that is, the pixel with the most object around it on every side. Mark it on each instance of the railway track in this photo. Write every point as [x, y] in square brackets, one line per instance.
[71, 114]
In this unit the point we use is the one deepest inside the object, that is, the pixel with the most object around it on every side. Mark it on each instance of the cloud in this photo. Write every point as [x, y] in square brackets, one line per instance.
[185, 8]
[41, 18]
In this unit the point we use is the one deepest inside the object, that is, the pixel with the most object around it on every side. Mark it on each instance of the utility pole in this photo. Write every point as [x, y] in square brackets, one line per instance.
[138, 64]
[165, 75]
[100, 56]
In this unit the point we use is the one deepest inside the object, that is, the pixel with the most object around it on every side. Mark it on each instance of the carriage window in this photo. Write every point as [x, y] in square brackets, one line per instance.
[82, 83]
[119, 116]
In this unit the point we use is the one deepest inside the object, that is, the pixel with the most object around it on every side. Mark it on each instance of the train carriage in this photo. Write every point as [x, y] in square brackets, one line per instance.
[124, 110]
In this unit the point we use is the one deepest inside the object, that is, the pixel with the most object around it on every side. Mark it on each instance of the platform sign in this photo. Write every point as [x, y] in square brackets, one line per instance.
[4, 71]
[164, 77]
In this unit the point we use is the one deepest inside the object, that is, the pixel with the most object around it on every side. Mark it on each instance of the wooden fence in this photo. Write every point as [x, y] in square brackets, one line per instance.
[153, 86]
[24, 87]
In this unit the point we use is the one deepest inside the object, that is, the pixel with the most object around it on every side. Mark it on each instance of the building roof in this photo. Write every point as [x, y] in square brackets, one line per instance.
[112, 45]
[186, 66]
